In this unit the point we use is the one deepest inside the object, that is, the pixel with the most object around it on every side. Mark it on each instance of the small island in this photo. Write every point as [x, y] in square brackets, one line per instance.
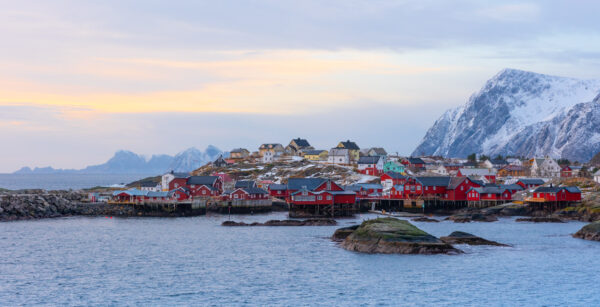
[391, 236]
[589, 232]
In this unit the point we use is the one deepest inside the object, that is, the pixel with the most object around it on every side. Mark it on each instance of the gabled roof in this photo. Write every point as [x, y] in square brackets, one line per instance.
[597, 173]
[379, 151]
[270, 145]
[573, 189]
[245, 184]
[202, 180]
[470, 164]
[252, 190]
[476, 181]
[415, 161]
[339, 152]
[157, 194]
[531, 181]
[434, 181]
[547, 189]
[369, 159]
[370, 186]
[301, 142]
[308, 183]
[314, 152]
[148, 184]
[476, 172]
[131, 192]
[498, 162]
[239, 150]
[511, 187]
[489, 190]
[395, 175]
[178, 175]
[455, 182]
[278, 187]
[349, 145]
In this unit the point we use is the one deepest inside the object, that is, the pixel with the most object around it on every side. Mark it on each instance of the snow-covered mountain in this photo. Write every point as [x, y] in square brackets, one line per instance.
[127, 162]
[192, 158]
[521, 113]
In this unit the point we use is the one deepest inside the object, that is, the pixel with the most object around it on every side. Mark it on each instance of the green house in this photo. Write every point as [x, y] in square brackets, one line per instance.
[392, 166]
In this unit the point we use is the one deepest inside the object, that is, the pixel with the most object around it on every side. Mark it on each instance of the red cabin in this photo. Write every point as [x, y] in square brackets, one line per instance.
[249, 194]
[557, 194]
[488, 194]
[530, 183]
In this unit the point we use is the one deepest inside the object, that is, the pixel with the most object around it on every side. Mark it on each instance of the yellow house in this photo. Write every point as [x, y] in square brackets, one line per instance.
[316, 155]
[353, 149]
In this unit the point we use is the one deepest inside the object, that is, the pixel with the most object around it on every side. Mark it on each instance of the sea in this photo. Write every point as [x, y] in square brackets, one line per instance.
[109, 261]
[66, 181]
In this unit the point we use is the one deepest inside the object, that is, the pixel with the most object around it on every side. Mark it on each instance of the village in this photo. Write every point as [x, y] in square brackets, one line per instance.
[346, 179]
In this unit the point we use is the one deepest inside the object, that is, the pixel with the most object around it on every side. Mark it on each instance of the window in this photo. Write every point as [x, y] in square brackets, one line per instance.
[419, 187]
[461, 188]
[489, 195]
[328, 197]
[320, 197]
[235, 196]
[278, 192]
[426, 188]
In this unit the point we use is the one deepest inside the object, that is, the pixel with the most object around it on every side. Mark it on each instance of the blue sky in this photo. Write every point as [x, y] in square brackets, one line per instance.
[82, 79]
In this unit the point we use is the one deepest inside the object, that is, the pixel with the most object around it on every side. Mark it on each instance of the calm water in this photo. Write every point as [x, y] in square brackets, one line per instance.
[195, 261]
[64, 181]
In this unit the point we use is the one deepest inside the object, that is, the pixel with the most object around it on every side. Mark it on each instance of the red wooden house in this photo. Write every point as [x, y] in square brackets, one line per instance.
[305, 197]
[177, 183]
[204, 186]
[416, 163]
[278, 190]
[488, 174]
[391, 179]
[557, 194]
[569, 171]
[530, 183]
[488, 194]
[458, 187]
[366, 190]
[249, 194]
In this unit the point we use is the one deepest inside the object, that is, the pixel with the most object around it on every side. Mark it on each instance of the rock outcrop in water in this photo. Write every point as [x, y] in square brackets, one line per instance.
[394, 236]
[589, 232]
[540, 219]
[459, 237]
[309, 222]
[342, 233]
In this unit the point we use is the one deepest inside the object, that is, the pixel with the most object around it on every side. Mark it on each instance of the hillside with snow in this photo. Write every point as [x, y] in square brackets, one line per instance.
[521, 113]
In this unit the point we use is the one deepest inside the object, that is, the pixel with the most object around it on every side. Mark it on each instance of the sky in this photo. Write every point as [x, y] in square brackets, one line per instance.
[80, 80]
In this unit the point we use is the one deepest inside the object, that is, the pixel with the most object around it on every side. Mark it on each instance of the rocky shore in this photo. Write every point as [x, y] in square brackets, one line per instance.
[589, 232]
[36, 204]
[459, 237]
[392, 236]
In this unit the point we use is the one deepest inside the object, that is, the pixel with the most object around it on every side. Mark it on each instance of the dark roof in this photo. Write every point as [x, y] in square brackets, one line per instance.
[254, 191]
[477, 181]
[434, 181]
[455, 182]
[489, 190]
[554, 189]
[379, 151]
[245, 184]
[469, 164]
[573, 189]
[367, 186]
[513, 186]
[309, 183]
[314, 152]
[277, 187]
[547, 189]
[236, 150]
[350, 145]
[301, 142]
[575, 166]
[498, 162]
[353, 187]
[395, 175]
[148, 184]
[415, 161]
[369, 160]
[531, 181]
[202, 180]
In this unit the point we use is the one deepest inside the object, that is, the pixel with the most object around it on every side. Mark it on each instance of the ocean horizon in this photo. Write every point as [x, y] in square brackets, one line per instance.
[62, 181]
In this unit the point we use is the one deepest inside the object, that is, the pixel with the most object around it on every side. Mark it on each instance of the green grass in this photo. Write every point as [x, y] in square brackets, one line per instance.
[391, 229]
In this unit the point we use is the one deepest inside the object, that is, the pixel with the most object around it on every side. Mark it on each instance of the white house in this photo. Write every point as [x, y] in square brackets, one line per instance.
[268, 157]
[151, 186]
[339, 156]
[440, 169]
[597, 176]
[545, 168]
[371, 165]
[168, 177]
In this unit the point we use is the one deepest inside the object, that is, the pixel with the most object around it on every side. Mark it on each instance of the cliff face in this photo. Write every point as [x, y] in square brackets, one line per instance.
[521, 113]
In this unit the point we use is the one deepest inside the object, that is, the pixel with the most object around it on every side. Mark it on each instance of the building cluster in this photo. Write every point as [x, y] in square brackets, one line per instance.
[391, 177]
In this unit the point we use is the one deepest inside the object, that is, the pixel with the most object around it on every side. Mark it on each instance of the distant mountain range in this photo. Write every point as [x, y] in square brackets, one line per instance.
[127, 162]
[524, 114]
